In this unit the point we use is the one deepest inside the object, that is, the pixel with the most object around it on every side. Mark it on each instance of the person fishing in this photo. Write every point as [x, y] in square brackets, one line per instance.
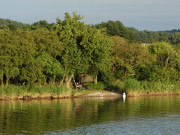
[79, 86]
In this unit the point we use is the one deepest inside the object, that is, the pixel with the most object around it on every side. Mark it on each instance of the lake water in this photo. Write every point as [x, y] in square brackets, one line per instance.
[92, 116]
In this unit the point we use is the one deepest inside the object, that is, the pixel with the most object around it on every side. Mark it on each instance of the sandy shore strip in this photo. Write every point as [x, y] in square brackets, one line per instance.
[85, 94]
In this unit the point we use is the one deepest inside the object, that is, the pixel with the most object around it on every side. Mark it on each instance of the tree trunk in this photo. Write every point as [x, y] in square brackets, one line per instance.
[95, 79]
[166, 62]
[54, 79]
[125, 76]
[61, 82]
[67, 81]
[7, 80]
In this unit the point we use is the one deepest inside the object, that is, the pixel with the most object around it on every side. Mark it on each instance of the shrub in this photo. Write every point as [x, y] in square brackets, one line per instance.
[131, 84]
[96, 86]
[115, 86]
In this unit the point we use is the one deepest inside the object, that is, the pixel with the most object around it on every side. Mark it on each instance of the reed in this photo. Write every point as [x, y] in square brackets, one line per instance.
[33, 89]
[131, 84]
[12, 90]
[161, 86]
[135, 86]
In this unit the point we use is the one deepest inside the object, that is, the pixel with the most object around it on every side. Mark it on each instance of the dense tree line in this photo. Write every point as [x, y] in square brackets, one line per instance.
[171, 31]
[46, 53]
[112, 28]
[11, 24]
[116, 28]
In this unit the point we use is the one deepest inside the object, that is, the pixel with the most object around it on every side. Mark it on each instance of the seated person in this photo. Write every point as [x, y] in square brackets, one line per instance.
[79, 86]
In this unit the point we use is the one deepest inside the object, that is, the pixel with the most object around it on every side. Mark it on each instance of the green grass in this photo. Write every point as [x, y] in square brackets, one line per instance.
[50, 89]
[161, 86]
[146, 86]
[131, 84]
[128, 85]
[33, 89]
[134, 85]
[12, 90]
[96, 86]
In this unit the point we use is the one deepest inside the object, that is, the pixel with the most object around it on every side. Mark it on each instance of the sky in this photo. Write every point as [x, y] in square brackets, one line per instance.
[152, 15]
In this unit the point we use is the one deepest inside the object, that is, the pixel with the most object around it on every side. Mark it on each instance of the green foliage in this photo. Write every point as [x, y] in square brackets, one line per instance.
[85, 48]
[12, 90]
[51, 54]
[166, 66]
[54, 90]
[13, 25]
[96, 86]
[41, 24]
[159, 86]
[33, 89]
[115, 86]
[131, 84]
[117, 29]
[129, 58]
[163, 51]
[151, 37]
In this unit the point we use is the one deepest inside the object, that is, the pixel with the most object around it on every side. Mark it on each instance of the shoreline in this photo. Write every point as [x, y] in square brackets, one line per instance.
[138, 94]
[85, 94]
[51, 96]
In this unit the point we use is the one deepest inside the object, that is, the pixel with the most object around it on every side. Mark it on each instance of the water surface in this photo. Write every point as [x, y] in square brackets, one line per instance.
[136, 116]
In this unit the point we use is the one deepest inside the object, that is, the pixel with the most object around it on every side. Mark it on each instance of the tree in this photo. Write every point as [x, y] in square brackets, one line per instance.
[97, 52]
[85, 49]
[9, 55]
[128, 58]
[44, 68]
[12, 25]
[44, 48]
[166, 67]
[163, 51]
[41, 24]
[116, 28]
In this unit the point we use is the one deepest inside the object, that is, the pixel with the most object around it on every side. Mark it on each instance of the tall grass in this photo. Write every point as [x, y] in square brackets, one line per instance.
[12, 90]
[49, 89]
[128, 85]
[33, 89]
[134, 85]
[161, 86]
[96, 86]
[131, 84]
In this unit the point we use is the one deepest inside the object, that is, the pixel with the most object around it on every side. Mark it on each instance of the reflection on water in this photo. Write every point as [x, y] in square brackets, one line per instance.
[142, 115]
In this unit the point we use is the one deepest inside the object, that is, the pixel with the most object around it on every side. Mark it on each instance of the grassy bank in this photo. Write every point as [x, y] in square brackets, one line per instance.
[131, 86]
[135, 88]
[34, 91]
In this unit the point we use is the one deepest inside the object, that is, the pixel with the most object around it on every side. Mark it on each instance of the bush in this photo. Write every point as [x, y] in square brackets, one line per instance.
[12, 90]
[131, 84]
[159, 86]
[115, 86]
[96, 86]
